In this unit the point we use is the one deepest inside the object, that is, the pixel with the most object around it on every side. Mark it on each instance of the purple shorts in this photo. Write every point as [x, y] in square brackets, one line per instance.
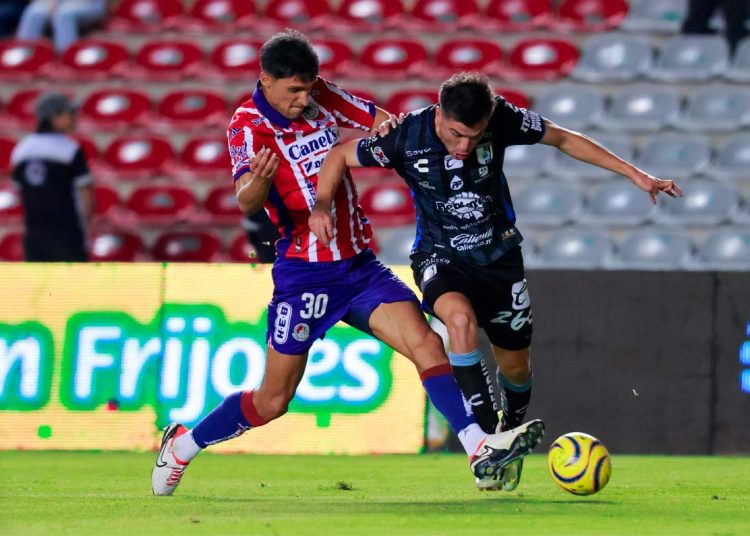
[310, 297]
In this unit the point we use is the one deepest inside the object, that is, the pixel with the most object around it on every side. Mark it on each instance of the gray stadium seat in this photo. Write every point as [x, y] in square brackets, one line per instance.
[619, 203]
[613, 58]
[720, 109]
[395, 244]
[725, 249]
[739, 68]
[704, 203]
[526, 161]
[674, 156]
[732, 161]
[547, 203]
[574, 107]
[654, 249]
[655, 16]
[565, 167]
[690, 58]
[575, 248]
[642, 108]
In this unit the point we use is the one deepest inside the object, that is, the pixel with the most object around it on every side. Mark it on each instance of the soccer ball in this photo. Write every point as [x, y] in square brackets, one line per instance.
[579, 463]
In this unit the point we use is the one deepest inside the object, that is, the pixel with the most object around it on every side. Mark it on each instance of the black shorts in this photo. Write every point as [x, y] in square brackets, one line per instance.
[497, 292]
[54, 247]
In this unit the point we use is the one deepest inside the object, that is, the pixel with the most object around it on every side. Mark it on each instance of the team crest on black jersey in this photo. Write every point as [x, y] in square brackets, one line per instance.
[484, 154]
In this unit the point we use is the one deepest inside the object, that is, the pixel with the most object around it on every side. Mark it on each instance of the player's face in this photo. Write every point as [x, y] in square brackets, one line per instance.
[289, 96]
[459, 139]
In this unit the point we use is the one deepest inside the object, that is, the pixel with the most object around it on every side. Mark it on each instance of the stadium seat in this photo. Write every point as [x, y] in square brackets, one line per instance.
[395, 244]
[464, 55]
[11, 208]
[187, 246]
[739, 69]
[240, 248]
[304, 15]
[167, 61]
[547, 203]
[23, 60]
[562, 166]
[575, 248]
[516, 15]
[190, 110]
[526, 161]
[135, 157]
[654, 249]
[138, 16]
[575, 107]
[704, 203]
[108, 110]
[613, 58]
[115, 246]
[90, 60]
[650, 16]
[732, 161]
[234, 59]
[388, 204]
[202, 158]
[221, 206]
[642, 108]
[514, 96]
[388, 59]
[409, 100]
[107, 203]
[690, 58]
[11, 248]
[6, 147]
[725, 249]
[221, 16]
[618, 203]
[333, 55]
[674, 156]
[19, 113]
[442, 16]
[589, 15]
[541, 59]
[155, 205]
[90, 150]
[716, 109]
[368, 16]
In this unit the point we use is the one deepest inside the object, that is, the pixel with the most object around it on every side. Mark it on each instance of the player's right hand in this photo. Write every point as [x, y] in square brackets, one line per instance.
[321, 224]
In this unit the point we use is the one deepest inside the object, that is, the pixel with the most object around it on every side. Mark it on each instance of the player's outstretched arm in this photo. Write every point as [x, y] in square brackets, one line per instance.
[252, 187]
[329, 180]
[589, 150]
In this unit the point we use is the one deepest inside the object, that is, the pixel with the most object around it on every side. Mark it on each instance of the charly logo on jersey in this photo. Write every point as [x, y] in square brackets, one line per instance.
[379, 155]
[452, 163]
[465, 206]
[466, 241]
[484, 153]
[457, 183]
[421, 165]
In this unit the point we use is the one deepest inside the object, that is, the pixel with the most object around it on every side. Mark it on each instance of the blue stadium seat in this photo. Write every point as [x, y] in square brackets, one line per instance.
[565, 167]
[674, 156]
[575, 248]
[662, 16]
[732, 160]
[725, 249]
[547, 203]
[526, 161]
[395, 244]
[690, 58]
[704, 203]
[716, 108]
[618, 203]
[654, 249]
[613, 58]
[642, 108]
[739, 68]
[574, 107]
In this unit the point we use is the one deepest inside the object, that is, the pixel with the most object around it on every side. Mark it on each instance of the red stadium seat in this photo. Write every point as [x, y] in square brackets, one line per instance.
[115, 246]
[107, 202]
[187, 246]
[411, 99]
[135, 157]
[221, 206]
[19, 113]
[514, 96]
[389, 59]
[240, 248]
[23, 60]
[6, 147]
[305, 15]
[541, 59]
[11, 248]
[368, 16]
[516, 15]
[146, 15]
[89, 60]
[465, 55]
[203, 158]
[590, 15]
[443, 15]
[154, 205]
[192, 109]
[220, 15]
[388, 204]
[333, 55]
[167, 61]
[234, 59]
[114, 110]
[90, 150]
[11, 208]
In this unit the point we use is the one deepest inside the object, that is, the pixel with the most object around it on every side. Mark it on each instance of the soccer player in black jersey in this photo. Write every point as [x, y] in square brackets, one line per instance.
[467, 257]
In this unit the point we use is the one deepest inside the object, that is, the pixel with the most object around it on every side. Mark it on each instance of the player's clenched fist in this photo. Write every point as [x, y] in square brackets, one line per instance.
[321, 224]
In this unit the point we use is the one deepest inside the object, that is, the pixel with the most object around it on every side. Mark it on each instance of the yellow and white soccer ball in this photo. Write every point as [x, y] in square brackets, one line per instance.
[579, 463]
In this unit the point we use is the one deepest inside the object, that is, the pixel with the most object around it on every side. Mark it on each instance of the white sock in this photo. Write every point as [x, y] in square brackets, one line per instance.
[470, 437]
[185, 448]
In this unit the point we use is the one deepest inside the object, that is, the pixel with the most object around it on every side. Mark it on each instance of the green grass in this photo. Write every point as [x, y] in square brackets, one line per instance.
[109, 493]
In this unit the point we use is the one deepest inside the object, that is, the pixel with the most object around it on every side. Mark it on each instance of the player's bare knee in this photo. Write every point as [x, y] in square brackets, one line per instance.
[429, 351]
[461, 326]
[516, 370]
[272, 406]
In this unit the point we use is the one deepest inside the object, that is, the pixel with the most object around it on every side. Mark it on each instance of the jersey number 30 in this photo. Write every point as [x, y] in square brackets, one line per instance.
[315, 306]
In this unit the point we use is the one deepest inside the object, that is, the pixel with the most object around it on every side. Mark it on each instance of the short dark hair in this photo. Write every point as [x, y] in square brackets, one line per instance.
[467, 98]
[289, 54]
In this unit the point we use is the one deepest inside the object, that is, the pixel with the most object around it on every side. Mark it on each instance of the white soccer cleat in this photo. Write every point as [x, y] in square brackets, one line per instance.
[168, 470]
[500, 450]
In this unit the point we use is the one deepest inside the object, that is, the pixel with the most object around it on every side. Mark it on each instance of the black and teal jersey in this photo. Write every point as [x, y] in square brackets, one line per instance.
[463, 207]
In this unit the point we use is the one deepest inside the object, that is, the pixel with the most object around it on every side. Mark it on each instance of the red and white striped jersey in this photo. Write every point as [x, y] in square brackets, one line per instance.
[301, 145]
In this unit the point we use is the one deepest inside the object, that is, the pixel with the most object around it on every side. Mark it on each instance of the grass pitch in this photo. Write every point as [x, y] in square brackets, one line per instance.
[109, 493]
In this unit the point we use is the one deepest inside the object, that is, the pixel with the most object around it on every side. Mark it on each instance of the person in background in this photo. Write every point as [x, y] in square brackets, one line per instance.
[10, 14]
[262, 234]
[50, 169]
[735, 14]
[66, 17]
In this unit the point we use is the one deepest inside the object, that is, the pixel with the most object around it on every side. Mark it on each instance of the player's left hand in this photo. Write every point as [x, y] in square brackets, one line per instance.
[652, 185]
[321, 224]
[385, 127]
